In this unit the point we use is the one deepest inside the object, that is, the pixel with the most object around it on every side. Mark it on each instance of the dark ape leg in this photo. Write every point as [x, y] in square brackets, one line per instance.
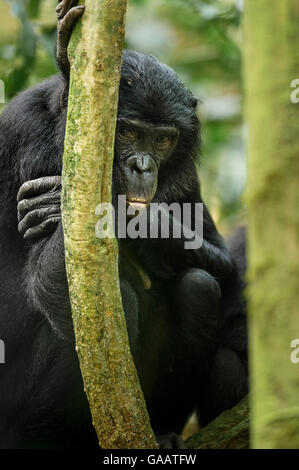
[195, 320]
[228, 379]
[219, 344]
[198, 301]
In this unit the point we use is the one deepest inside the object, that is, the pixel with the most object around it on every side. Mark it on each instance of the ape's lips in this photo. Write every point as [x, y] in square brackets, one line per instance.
[138, 204]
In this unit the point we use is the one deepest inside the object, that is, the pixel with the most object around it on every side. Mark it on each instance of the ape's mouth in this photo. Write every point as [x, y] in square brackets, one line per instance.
[138, 203]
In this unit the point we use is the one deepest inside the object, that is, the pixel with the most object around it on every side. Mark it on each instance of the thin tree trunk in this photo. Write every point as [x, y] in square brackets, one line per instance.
[271, 64]
[110, 379]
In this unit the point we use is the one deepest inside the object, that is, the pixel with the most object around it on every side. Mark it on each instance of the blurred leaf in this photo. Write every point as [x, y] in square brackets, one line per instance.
[34, 8]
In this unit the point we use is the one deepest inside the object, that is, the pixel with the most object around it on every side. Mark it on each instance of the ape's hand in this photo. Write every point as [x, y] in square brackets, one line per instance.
[67, 16]
[39, 207]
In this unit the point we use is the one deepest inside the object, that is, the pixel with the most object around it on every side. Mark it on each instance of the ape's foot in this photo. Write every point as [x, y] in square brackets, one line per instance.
[171, 440]
[39, 207]
[68, 13]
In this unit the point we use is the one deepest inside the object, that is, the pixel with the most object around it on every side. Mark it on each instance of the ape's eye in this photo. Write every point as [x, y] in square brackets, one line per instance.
[163, 140]
[127, 133]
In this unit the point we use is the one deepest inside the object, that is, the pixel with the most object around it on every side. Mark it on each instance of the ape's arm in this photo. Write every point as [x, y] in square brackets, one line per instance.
[213, 255]
[46, 282]
[173, 255]
[39, 217]
[45, 277]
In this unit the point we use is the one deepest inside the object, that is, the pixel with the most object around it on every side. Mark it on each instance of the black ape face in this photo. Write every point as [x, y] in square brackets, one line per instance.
[141, 149]
[157, 133]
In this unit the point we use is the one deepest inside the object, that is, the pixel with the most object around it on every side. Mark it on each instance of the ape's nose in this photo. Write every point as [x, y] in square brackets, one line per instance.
[141, 163]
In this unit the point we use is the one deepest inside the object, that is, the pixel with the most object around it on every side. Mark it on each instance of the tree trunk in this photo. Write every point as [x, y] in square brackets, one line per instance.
[271, 64]
[110, 379]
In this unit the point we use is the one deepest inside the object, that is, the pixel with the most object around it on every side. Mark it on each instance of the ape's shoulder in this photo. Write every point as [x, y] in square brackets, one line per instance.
[42, 91]
[28, 105]
[31, 133]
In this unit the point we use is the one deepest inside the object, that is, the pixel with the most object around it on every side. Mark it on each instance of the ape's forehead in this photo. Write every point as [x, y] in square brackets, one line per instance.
[152, 91]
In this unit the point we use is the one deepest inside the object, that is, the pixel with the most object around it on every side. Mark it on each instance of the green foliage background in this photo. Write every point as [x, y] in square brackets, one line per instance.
[200, 39]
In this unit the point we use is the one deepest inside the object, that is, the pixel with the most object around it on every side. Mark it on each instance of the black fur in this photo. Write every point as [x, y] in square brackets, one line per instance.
[187, 333]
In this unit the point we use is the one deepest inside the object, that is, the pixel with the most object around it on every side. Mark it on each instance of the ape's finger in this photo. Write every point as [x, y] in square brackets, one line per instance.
[64, 6]
[67, 24]
[38, 186]
[42, 230]
[43, 201]
[36, 217]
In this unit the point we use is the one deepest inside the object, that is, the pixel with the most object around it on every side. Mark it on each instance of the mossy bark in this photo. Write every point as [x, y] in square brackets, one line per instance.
[271, 63]
[110, 379]
[229, 431]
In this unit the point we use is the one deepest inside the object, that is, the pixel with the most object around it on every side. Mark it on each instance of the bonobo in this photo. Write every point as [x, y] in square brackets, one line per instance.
[183, 308]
